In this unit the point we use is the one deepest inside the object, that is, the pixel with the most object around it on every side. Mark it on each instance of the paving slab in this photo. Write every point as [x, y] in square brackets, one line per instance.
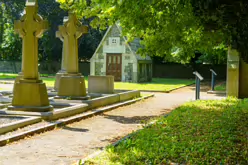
[68, 144]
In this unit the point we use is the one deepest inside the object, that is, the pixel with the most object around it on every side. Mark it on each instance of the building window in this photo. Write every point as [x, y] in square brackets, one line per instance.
[114, 41]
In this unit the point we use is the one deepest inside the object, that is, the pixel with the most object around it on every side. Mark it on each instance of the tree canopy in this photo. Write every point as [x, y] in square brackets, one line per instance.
[173, 28]
[228, 16]
[50, 47]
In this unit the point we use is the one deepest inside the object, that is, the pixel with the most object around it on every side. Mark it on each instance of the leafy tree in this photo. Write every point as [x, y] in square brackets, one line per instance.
[10, 44]
[228, 16]
[169, 29]
[50, 47]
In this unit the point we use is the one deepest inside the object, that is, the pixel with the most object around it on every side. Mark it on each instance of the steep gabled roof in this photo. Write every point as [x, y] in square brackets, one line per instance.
[133, 45]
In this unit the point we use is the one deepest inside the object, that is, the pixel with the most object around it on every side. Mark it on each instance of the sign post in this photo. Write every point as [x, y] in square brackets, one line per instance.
[213, 79]
[198, 79]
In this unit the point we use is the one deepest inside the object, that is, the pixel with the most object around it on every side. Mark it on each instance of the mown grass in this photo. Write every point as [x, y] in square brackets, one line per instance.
[201, 132]
[157, 84]
[7, 75]
[221, 87]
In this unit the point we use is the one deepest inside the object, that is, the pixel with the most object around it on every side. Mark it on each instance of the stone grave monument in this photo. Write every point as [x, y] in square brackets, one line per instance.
[71, 83]
[63, 61]
[237, 75]
[30, 93]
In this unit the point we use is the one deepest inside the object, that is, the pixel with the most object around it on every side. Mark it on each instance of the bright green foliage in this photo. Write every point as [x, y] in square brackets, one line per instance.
[168, 27]
[50, 47]
[229, 17]
[201, 132]
[10, 44]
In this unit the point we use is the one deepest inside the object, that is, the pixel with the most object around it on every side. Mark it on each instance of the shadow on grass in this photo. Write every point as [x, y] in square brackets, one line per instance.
[201, 132]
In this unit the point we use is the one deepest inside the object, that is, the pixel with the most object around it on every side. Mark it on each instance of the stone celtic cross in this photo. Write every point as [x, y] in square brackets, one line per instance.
[30, 27]
[70, 32]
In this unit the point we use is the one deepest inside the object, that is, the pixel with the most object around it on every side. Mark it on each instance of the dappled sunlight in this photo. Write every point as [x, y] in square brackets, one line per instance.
[208, 132]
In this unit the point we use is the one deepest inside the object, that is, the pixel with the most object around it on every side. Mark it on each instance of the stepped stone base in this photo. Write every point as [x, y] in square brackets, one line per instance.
[30, 95]
[101, 84]
[57, 79]
[71, 85]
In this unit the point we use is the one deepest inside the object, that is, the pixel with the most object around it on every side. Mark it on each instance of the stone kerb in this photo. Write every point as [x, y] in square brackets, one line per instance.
[101, 84]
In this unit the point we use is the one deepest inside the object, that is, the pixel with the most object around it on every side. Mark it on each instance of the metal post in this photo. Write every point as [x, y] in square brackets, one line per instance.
[197, 89]
[199, 86]
[213, 82]
[213, 79]
[198, 79]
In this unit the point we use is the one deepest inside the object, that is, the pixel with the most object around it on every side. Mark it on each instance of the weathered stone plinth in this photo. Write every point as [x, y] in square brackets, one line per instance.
[72, 86]
[57, 79]
[30, 95]
[101, 84]
[18, 77]
[233, 73]
[243, 80]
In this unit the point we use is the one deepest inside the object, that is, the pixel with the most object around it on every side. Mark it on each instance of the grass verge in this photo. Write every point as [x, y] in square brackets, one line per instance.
[157, 84]
[221, 87]
[201, 132]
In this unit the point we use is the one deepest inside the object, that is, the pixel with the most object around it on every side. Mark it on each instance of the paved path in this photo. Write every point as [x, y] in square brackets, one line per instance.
[6, 87]
[76, 141]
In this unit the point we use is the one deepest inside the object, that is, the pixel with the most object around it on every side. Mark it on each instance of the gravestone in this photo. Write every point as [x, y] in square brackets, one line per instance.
[237, 75]
[101, 84]
[243, 79]
[71, 83]
[30, 93]
[63, 61]
[232, 83]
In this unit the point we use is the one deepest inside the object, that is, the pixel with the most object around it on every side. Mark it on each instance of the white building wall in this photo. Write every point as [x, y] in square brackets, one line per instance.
[92, 67]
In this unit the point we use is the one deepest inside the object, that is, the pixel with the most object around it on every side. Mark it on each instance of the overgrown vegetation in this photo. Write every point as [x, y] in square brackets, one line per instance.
[201, 132]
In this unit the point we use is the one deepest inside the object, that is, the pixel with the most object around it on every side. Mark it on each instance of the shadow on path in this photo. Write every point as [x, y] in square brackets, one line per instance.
[74, 129]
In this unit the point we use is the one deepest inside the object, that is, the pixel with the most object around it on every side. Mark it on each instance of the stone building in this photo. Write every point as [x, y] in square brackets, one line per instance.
[114, 56]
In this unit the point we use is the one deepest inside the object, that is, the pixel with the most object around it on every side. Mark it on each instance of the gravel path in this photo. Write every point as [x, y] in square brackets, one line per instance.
[75, 141]
[6, 120]
[6, 87]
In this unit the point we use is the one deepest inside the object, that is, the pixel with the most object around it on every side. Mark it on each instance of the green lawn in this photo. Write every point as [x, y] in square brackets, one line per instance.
[221, 87]
[157, 84]
[200, 132]
[7, 75]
